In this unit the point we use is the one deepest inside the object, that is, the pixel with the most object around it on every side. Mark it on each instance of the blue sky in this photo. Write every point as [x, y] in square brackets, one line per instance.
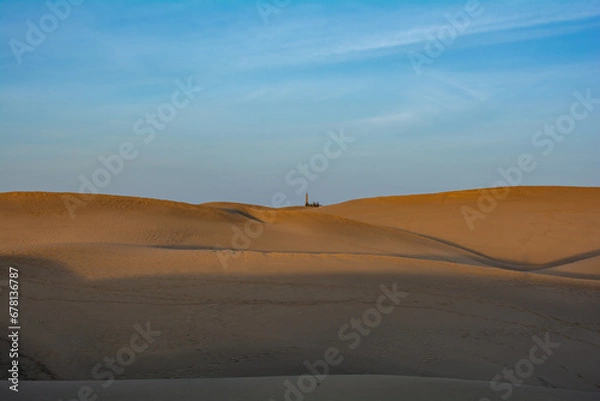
[274, 85]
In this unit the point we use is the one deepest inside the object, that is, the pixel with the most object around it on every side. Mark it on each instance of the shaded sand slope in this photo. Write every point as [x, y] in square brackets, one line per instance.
[304, 273]
[334, 388]
[268, 313]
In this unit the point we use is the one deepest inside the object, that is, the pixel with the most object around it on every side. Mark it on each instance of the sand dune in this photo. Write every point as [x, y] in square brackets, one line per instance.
[241, 290]
[533, 225]
[533, 229]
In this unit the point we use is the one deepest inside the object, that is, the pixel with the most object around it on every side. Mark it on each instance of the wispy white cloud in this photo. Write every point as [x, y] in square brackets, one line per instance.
[388, 119]
[493, 19]
[348, 40]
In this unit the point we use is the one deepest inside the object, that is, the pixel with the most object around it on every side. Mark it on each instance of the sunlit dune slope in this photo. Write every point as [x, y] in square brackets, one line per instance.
[533, 229]
[532, 225]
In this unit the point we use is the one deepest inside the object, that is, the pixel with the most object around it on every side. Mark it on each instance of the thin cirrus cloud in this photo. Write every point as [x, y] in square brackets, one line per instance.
[349, 40]
[388, 119]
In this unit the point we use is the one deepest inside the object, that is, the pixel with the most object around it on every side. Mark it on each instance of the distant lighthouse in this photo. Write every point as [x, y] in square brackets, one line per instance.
[306, 204]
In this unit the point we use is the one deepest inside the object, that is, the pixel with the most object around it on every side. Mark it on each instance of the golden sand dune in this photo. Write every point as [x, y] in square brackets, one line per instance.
[533, 229]
[241, 290]
[533, 225]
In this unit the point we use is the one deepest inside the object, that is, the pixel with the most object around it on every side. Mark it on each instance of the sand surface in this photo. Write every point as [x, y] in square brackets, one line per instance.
[342, 388]
[247, 291]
